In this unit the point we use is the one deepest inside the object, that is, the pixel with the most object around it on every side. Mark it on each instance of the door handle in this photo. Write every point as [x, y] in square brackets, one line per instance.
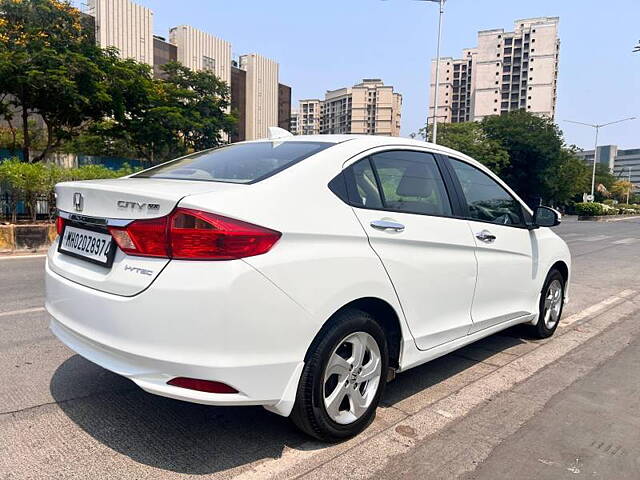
[387, 225]
[486, 236]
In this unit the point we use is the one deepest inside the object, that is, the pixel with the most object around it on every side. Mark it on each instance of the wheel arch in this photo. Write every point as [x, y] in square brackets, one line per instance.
[563, 268]
[383, 313]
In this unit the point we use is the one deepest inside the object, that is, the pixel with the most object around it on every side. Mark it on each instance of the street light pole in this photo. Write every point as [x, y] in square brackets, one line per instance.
[434, 135]
[595, 148]
[630, 186]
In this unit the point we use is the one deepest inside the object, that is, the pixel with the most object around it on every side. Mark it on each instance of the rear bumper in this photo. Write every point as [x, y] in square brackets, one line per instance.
[220, 321]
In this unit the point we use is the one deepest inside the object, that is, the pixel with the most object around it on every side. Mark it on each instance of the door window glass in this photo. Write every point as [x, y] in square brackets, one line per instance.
[411, 182]
[486, 199]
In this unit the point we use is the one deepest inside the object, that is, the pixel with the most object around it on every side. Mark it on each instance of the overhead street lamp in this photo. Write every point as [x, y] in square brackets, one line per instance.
[434, 135]
[595, 149]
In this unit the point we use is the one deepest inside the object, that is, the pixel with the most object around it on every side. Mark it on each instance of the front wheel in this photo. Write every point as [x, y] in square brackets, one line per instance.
[343, 378]
[551, 303]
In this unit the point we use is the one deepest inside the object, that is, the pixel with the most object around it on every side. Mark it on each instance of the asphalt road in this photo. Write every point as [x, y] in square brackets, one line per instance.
[494, 403]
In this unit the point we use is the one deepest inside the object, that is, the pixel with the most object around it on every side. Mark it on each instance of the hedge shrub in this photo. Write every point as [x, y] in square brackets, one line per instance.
[30, 182]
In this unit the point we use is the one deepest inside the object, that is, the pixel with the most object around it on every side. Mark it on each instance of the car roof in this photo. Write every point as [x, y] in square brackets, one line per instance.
[372, 141]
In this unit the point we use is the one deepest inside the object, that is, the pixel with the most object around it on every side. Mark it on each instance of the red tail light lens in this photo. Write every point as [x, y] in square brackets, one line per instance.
[201, 385]
[200, 235]
[147, 238]
[194, 235]
[59, 225]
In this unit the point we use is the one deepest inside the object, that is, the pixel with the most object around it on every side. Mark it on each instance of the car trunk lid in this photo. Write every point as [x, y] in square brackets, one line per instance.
[95, 204]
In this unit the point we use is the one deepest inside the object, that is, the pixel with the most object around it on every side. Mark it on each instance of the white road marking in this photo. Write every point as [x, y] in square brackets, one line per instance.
[626, 241]
[595, 238]
[593, 309]
[17, 257]
[20, 312]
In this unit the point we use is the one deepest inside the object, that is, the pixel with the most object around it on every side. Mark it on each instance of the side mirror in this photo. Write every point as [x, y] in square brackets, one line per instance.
[545, 217]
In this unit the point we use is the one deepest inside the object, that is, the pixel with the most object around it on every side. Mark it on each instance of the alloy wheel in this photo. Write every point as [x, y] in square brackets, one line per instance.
[552, 304]
[352, 377]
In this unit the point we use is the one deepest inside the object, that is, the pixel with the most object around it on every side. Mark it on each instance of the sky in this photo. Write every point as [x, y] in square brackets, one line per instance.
[329, 44]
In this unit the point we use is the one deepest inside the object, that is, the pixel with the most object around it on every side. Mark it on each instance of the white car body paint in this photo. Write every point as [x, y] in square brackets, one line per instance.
[249, 322]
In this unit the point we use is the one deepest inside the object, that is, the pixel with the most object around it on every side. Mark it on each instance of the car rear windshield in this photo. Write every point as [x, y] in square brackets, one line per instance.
[238, 163]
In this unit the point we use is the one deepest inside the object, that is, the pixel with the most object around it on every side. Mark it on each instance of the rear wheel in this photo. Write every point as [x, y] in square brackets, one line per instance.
[551, 303]
[343, 378]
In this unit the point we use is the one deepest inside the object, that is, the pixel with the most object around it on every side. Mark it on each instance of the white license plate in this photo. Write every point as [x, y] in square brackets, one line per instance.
[96, 247]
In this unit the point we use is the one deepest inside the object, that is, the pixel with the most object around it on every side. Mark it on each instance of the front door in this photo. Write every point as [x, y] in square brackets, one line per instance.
[401, 201]
[506, 249]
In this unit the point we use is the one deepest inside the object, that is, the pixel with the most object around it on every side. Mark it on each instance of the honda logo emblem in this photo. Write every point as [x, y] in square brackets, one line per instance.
[78, 202]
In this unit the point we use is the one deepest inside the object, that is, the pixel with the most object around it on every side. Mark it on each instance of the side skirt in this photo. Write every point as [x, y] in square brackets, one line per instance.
[412, 357]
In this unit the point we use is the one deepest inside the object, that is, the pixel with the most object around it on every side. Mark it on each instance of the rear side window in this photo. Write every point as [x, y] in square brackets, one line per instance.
[399, 180]
[486, 199]
[238, 163]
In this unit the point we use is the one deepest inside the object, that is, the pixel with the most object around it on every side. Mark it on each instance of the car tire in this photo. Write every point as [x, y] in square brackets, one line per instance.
[338, 390]
[550, 306]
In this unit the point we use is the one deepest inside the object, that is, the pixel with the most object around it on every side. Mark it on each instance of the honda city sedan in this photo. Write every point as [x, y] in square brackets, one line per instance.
[300, 273]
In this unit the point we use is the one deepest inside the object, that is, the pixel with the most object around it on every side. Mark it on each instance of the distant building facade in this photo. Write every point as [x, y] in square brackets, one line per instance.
[163, 53]
[309, 116]
[619, 161]
[257, 97]
[284, 106]
[507, 71]
[199, 50]
[369, 107]
[125, 25]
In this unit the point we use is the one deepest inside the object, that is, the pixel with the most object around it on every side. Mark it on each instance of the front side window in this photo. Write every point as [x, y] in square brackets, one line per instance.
[237, 163]
[486, 199]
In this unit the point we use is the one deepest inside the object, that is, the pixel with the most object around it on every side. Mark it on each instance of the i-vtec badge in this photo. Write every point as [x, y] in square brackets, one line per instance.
[140, 271]
[152, 207]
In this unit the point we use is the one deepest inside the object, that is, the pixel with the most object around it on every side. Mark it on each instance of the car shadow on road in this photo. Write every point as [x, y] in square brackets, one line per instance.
[197, 439]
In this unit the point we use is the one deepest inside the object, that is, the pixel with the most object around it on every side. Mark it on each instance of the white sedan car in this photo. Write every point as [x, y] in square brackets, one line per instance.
[298, 273]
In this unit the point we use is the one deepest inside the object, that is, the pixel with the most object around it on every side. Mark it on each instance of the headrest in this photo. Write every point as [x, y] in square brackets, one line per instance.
[416, 182]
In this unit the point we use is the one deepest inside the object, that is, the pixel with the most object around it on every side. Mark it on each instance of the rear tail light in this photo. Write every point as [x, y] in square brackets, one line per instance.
[201, 385]
[188, 234]
[59, 225]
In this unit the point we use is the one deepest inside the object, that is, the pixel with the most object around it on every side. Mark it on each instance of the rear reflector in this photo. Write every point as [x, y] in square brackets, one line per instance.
[188, 234]
[59, 225]
[201, 385]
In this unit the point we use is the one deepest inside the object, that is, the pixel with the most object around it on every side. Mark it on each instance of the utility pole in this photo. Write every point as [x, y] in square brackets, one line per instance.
[595, 148]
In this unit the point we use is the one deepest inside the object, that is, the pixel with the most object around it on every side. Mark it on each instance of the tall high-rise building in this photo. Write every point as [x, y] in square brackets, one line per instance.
[125, 25]
[309, 116]
[262, 94]
[507, 71]
[199, 50]
[257, 97]
[370, 108]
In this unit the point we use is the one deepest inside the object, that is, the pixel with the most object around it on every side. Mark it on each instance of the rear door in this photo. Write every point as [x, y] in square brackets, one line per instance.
[506, 249]
[400, 198]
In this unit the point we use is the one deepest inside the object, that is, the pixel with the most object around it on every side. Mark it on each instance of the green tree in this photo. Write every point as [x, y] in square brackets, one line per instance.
[535, 147]
[621, 189]
[186, 111]
[567, 178]
[46, 66]
[470, 139]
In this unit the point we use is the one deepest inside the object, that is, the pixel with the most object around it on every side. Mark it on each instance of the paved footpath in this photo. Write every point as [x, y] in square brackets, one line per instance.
[506, 407]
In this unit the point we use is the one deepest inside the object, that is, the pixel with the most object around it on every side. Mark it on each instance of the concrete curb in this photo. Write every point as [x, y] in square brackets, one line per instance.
[606, 218]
